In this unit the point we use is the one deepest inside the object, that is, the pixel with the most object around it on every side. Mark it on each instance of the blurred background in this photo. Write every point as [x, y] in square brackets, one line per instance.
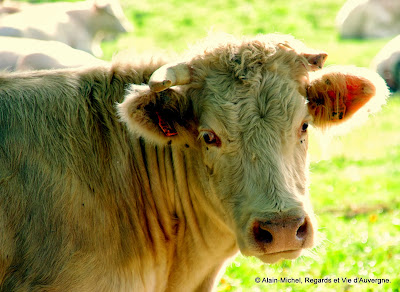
[355, 178]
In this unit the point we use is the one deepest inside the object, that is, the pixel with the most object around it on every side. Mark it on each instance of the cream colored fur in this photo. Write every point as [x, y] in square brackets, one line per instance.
[95, 197]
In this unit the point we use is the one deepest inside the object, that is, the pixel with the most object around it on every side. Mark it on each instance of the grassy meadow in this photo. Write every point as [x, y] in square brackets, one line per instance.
[355, 179]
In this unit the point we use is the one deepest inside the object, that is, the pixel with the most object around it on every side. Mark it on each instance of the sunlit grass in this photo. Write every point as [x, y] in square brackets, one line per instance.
[362, 245]
[172, 25]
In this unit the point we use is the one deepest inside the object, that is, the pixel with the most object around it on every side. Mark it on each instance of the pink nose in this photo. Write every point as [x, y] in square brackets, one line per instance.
[283, 234]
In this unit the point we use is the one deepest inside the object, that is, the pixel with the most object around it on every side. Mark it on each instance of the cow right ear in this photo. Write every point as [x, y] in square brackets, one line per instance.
[339, 93]
[162, 117]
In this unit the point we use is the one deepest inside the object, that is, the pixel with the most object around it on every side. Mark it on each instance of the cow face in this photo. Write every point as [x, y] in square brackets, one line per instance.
[244, 109]
[108, 16]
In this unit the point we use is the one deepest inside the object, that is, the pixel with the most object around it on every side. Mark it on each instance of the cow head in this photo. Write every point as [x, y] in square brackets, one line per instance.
[244, 108]
[107, 16]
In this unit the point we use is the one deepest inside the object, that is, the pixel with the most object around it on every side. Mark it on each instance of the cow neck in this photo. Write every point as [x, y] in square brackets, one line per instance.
[174, 192]
[171, 178]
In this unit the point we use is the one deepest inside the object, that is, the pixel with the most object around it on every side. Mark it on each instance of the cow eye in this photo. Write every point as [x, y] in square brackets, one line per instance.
[211, 138]
[304, 127]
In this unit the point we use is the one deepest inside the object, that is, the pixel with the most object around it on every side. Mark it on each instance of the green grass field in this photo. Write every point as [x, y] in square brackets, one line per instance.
[355, 179]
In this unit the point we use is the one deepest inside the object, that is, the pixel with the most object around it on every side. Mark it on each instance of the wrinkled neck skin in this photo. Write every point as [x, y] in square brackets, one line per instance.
[190, 239]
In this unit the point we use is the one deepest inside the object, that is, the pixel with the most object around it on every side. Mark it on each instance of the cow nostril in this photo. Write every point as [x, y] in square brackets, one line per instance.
[262, 235]
[302, 230]
[283, 234]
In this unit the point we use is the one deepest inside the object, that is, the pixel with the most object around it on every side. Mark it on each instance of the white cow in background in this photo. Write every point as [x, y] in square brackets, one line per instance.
[18, 54]
[387, 63]
[369, 19]
[81, 25]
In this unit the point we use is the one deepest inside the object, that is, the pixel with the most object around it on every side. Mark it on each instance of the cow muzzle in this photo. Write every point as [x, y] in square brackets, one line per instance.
[282, 237]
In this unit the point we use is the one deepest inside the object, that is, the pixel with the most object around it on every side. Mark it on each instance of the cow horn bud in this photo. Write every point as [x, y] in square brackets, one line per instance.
[169, 75]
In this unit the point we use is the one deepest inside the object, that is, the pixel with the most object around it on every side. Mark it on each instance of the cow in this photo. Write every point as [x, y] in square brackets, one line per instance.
[19, 54]
[81, 25]
[148, 176]
[369, 19]
[387, 63]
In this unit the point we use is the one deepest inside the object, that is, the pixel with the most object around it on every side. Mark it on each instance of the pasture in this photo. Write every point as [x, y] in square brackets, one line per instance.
[355, 178]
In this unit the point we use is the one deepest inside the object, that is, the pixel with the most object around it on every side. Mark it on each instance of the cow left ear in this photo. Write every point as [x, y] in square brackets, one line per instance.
[162, 117]
[336, 94]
